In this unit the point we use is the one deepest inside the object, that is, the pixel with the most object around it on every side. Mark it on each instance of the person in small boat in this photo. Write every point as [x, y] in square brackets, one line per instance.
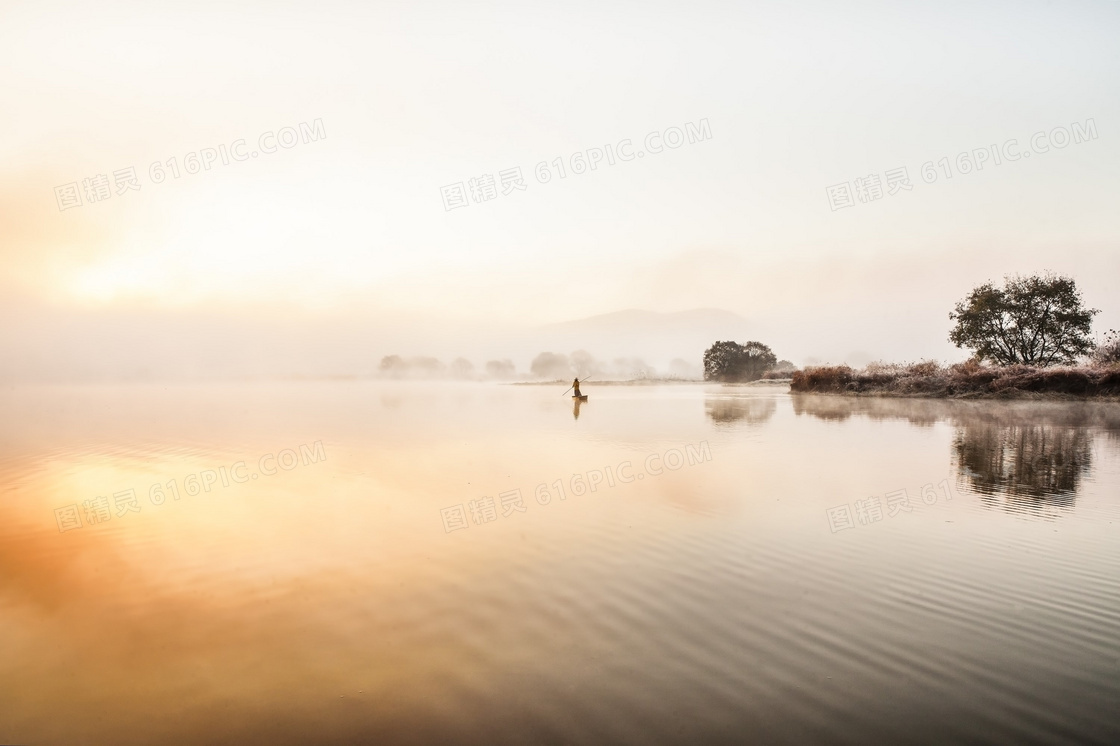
[575, 385]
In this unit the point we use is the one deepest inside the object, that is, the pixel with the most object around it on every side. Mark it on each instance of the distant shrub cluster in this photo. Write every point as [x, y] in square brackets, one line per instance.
[1108, 352]
[783, 371]
[968, 379]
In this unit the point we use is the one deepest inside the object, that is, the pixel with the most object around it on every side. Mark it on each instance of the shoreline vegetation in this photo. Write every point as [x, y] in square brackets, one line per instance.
[968, 380]
[1035, 333]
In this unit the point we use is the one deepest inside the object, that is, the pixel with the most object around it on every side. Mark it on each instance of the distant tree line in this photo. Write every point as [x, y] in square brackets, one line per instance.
[582, 364]
[421, 366]
[546, 366]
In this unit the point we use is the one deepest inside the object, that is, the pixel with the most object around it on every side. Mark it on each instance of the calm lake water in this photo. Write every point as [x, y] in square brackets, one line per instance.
[751, 566]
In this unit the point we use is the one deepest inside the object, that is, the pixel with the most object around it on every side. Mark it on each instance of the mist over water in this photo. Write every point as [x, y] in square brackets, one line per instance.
[100, 345]
[333, 600]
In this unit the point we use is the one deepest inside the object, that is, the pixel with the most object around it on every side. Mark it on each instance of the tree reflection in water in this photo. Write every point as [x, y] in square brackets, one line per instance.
[747, 410]
[1021, 456]
[1024, 468]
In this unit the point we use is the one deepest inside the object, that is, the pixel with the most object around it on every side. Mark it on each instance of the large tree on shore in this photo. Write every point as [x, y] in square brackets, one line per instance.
[1037, 320]
[731, 361]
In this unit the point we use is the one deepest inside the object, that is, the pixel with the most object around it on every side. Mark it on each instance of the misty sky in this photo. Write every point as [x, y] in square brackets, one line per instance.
[348, 237]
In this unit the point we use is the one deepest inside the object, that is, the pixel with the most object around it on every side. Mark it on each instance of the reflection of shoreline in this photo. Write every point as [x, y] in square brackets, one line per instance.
[749, 410]
[1019, 456]
[1079, 413]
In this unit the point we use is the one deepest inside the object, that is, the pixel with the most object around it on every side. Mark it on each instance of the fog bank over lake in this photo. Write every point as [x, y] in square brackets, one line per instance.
[784, 568]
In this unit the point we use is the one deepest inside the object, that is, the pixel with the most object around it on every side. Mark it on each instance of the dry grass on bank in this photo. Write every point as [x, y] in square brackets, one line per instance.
[963, 380]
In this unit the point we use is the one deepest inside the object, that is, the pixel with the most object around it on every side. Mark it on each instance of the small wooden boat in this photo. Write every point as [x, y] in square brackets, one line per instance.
[581, 398]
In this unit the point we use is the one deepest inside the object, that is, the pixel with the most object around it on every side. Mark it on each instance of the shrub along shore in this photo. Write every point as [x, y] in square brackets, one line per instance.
[968, 380]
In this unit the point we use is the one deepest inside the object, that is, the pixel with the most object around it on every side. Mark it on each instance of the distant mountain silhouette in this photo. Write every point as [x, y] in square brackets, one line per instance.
[652, 336]
[636, 320]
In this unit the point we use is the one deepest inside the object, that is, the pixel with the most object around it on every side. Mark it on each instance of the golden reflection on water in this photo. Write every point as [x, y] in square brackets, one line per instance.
[327, 602]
